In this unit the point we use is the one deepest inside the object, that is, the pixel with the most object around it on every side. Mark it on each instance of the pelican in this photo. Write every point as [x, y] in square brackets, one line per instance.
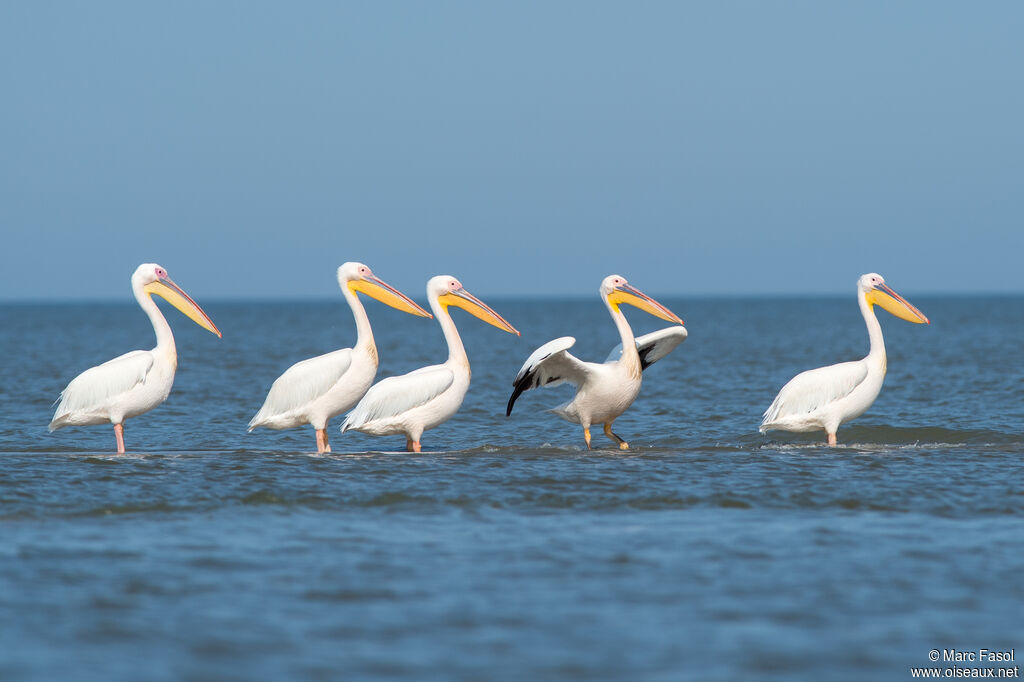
[135, 382]
[427, 397]
[603, 391]
[314, 390]
[826, 397]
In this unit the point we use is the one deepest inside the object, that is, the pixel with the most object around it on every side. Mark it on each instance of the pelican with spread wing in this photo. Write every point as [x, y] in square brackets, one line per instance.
[606, 390]
[412, 403]
[826, 397]
[135, 382]
[314, 390]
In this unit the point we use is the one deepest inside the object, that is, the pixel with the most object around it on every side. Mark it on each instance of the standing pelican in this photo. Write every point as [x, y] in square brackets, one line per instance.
[826, 397]
[135, 382]
[314, 390]
[603, 391]
[429, 396]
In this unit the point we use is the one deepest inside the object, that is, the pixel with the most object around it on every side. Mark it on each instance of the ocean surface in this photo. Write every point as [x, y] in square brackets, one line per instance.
[506, 550]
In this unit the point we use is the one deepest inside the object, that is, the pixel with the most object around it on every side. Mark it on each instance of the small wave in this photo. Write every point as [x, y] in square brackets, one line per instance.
[883, 438]
[271, 498]
[350, 596]
[109, 459]
[122, 509]
[58, 553]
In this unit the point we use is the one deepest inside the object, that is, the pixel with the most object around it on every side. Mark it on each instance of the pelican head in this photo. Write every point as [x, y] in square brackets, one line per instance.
[872, 286]
[153, 279]
[449, 291]
[616, 290]
[358, 278]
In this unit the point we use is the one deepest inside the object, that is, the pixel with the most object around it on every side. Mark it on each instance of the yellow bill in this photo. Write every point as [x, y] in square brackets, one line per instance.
[634, 297]
[474, 306]
[387, 294]
[173, 294]
[896, 304]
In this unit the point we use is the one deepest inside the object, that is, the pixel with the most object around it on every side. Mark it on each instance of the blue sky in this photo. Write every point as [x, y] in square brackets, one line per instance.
[527, 148]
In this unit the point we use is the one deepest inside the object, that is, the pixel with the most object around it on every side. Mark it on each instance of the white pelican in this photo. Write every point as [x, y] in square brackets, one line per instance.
[314, 390]
[135, 382]
[422, 399]
[603, 391]
[826, 397]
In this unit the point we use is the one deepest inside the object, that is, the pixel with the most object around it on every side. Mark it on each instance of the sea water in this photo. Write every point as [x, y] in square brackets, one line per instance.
[506, 550]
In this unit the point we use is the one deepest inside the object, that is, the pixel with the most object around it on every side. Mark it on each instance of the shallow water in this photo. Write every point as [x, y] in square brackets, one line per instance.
[506, 550]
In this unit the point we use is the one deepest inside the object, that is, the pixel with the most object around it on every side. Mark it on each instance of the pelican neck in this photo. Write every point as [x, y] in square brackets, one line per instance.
[877, 348]
[630, 356]
[456, 351]
[164, 337]
[364, 334]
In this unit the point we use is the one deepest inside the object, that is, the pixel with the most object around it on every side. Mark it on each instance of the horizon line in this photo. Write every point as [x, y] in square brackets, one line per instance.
[323, 298]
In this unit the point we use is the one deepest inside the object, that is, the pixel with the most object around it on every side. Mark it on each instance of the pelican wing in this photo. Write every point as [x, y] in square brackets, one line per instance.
[654, 346]
[97, 386]
[814, 389]
[304, 382]
[395, 396]
[549, 365]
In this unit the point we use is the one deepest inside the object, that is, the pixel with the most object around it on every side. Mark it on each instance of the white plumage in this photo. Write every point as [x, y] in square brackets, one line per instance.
[293, 397]
[810, 391]
[427, 397]
[314, 390]
[654, 346]
[826, 397]
[606, 390]
[420, 396]
[136, 382]
[552, 364]
[103, 393]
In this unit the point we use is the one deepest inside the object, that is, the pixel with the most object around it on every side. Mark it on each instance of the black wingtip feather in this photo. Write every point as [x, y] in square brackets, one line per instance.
[525, 383]
[512, 400]
[644, 364]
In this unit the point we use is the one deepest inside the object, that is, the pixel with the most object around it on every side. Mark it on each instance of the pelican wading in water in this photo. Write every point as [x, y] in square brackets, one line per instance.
[427, 397]
[603, 390]
[135, 382]
[314, 390]
[826, 397]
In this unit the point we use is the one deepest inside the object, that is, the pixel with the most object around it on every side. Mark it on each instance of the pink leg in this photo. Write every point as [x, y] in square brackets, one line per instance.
[119, 434]
[412, 445]
[322, 445]
[832, 440]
